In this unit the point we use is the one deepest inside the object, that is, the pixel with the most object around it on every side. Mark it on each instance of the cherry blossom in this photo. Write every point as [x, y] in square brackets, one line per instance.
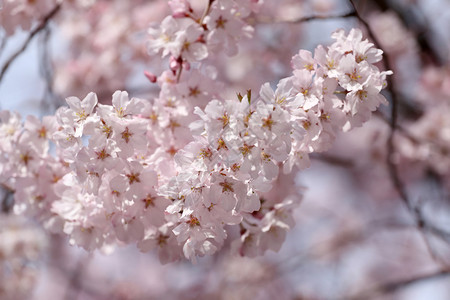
[177, 171]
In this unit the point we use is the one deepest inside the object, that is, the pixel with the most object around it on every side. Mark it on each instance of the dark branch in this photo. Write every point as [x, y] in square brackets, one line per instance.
[7, 200]
[394, 286]
[394, 114]
[311, 18]
[414, 19]
[32, 34]
[307, 19]
[333, 160]
[49, 100]
[3, 41]
[6, 204]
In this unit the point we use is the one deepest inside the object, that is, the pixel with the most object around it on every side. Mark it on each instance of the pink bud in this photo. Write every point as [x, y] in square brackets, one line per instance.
[186, 66]
[150, 76]
[179, 14]
[174, 64]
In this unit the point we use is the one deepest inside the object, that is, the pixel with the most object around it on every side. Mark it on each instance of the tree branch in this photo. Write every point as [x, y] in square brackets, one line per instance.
[414, 19]
[35, 31]
[394, 286]
[333, 160]
[394, 115]
[3, 41]
[307, 19]
[48, 102]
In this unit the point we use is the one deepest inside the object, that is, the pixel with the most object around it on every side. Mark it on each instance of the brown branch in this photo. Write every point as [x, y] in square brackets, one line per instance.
[49, 101]
[391, 287]
[32, 34]
[206, 12]
[333, 160]
[415, 20]
[393, 172]
[306, 19]
[3, 41]
[394, 115]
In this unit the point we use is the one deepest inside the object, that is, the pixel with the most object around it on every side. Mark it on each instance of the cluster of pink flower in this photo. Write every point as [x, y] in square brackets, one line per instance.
[166, 175]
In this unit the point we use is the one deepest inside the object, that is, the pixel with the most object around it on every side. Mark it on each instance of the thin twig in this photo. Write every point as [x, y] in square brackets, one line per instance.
[307, 19]
[3, 41]
[333, 160]
[48, 102]
[35, 31]
[394, 286]
[394, 114]
[206, 12]
[416, 21]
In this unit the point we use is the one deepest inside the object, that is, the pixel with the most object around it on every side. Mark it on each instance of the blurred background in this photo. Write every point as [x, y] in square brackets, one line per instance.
[361, 231]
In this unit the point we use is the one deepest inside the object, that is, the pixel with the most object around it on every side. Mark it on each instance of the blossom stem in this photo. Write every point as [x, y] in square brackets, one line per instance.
[206, 12]
[179, 73]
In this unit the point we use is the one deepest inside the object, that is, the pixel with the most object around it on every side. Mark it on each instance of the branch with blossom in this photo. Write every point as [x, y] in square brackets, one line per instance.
[165, 174]
[202, 156]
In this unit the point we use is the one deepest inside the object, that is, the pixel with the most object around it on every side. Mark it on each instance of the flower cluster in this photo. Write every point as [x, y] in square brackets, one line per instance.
[27, 167]
[239, 145]
[166, 175]
[189, 36]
